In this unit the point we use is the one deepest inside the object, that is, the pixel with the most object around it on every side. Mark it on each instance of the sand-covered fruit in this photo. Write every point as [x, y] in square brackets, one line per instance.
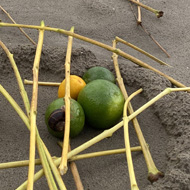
[98, 72]
[102, 102]
[76, 85]
[55, 118]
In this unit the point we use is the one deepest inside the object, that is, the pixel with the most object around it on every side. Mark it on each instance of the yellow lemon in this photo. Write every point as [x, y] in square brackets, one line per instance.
[76, 85]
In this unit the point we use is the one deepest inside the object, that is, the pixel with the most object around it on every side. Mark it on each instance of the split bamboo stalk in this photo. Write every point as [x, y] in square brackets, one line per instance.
[132, 177]
[105, 134]
[31, 40]
[100, 44]
[63, 165]
[33, 110]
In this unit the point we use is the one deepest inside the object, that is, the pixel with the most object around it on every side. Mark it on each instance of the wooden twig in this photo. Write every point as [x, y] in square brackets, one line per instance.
[63, 164]
[33, 110]
[31, 40]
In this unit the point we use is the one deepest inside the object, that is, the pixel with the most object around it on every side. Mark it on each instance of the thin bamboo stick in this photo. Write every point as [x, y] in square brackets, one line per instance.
[33, 110]
[133, 182]
[31, 40]
[63, 165]
[107, 47]
[42, 83]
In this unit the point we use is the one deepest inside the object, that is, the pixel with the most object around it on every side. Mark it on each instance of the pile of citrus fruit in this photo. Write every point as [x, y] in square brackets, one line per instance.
[95, 100]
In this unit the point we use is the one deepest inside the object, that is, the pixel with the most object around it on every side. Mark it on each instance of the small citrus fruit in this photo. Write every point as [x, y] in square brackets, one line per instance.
[102, 102]
[55, 118]
[98, 73]
[76, 84]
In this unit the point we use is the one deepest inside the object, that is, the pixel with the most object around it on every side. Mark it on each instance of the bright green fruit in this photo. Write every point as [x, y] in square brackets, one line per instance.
[102, 102]
[55, 118]
[98, 73]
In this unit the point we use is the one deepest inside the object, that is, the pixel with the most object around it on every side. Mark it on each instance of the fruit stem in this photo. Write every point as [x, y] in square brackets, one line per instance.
[42, 83]
[63, 165]
[96, 139]
[141, 51]
[31, 40]
[107, 47]
[156, 12]
[127, 142]
[33, 110]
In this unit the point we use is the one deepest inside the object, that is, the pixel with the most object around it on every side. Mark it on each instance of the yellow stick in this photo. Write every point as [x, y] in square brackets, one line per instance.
[33, 110]
[63, 165]
[107, 47]
[134, 185]
[43, 83]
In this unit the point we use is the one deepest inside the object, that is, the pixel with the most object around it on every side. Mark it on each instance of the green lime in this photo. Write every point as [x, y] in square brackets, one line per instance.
[55, 118]
[98, 73]
[102, 102]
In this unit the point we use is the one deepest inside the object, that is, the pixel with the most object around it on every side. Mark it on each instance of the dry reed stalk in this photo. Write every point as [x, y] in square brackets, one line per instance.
[132, 177]
[31, 40]
[33, 110]
[63, 165]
